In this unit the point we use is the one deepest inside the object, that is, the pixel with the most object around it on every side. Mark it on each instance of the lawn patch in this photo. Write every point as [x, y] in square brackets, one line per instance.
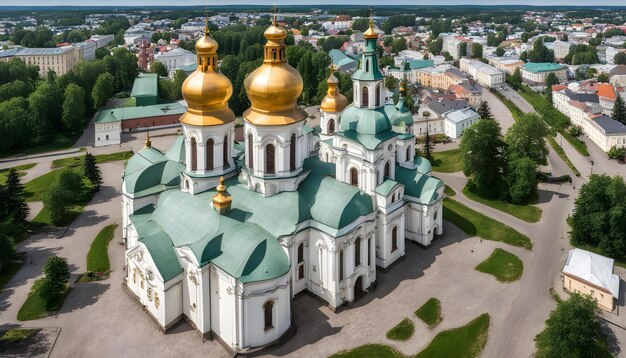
[527, 212]
[463, 342]
[73, 211]
[78, 161]
[505, 266]
[34, 189]
[98, 256]
[21, 171]
[370, 350]
[474, 223]
[449, 191]
[430, 313]
[447, 162]
[402, 331]
[35, 308]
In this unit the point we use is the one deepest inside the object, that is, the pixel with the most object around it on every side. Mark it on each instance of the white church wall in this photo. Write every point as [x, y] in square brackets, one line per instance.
[386, 253]
[202, 134]
[223, 305]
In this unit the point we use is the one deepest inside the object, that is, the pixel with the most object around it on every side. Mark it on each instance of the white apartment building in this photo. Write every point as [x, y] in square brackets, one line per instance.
[561, 49]
[483, 73]
[176, 59]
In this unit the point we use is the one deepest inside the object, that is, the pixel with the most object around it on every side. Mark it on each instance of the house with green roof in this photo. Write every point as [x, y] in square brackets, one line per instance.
[537, 73]
[146, 89]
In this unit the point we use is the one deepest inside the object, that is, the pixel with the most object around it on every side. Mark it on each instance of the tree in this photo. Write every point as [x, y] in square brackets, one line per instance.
[74, 108]
[550, 81]
[159, 68]
[7, 251]
[435, 46]
[484, 111]
[388, 41]
[540, 53]
[463, 49]
[515, 80]
[45, 109]
[91, 171]
[57, 270]
[499, 51]
[477, 50]
[361, 24]
[620, 58]
[521, 179]
[619, 109]
[399, 45]
[391, 83]
[63, 192]
[309, 78]
[52, 285]
[603, 78]
[572, 329]
[525, 139]
[103, 89]
[618, 153]
[15, 203]
[482, 156]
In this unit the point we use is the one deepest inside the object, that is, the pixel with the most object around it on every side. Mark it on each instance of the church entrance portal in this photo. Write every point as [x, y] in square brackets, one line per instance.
[358, 288]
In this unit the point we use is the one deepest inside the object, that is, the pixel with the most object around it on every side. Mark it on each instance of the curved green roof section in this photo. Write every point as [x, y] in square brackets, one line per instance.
[150, 171]
[401, 114]
[419, 186]
[423, 165]
[365, 120]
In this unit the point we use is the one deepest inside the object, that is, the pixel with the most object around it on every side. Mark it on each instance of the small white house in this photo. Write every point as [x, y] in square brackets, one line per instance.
[591, 274]
[456, 122]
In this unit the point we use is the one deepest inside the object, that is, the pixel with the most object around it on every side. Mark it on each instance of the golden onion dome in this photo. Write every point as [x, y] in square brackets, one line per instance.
[371, 33]
[333, 101]
[206, 90]
[274, 87]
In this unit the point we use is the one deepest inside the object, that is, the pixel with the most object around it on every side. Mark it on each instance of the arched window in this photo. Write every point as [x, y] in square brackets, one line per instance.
[292, 153]
[268, 313]
[408, 154]
[270, 167]
[354, 177]
[340, 265]
[369, 252]
[301, 261]
[365, 97]
[378, 96]
[387, 170]
[331, 127]
[250, 152]
[225, 151]
[194, 155]
[209, 154]
[367, 65]
[394, 239]
[357, 252]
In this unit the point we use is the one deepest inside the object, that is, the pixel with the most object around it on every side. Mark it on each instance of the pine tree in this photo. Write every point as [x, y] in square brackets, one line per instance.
[484, 111]
[428, 146]
[91, 171]
[619, 110]
[550, 80]
[14, 191]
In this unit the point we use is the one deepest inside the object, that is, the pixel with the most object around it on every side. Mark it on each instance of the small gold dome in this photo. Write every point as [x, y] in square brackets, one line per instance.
[333, 101]
[371, 33]
[206, 90]
[274, 87]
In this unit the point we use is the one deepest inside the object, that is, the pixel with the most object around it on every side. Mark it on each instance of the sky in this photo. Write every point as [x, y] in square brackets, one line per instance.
[304, 2]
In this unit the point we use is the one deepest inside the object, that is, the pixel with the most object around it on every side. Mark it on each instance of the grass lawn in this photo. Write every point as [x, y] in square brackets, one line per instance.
[370, 351]
[527, 212]
[430, 313]
[73, 211]
[98, 256]
[15, 334]
[447, 162]
[403, 331]
[505, 266]
[474, 223]
[35, 308]
[77, 161]
[463, 342]
[6, 276]
[33, 190]
[449, 191]
[21, 171]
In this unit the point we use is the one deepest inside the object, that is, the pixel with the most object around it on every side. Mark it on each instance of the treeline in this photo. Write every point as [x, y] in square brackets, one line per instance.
[35, 111]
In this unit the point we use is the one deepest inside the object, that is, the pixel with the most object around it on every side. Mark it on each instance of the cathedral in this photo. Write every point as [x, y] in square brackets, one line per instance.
[225, 234]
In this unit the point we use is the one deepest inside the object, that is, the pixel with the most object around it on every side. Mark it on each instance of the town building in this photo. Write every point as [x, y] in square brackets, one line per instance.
[224, 234]
[176, 59]
[561, 49]
[408, 71]
[457, 121]
[591, 274]
[537, 73]
[483, 73]
[102, 40]
[61, 60]
[452, 45]
[146, 89]
[508, 65]
[86, 50]
[441, 77]
[341, 61]
[470, 91]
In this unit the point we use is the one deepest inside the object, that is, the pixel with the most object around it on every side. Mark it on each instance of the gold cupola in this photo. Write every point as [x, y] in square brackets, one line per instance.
[206, 90]
[222, 200]
[274, 87]
[371, 32]
[334, 101]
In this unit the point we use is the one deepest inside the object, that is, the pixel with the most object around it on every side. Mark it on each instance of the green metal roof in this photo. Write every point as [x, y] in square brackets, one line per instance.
[365, 120]
[149, 171]
[339, 58]
[537, 67]
[177, 150]
[423, 165]
[417, 64]
[400, 114]
[420, 186]
[163, 254]
[157, 110]
[386, 187]
[368, 141]
[146, 85]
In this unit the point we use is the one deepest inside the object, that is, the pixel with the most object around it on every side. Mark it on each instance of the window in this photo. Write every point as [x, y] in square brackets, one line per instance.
[268, 310]
[331, 127]
[225, 151]
[357, 252]
[369, 252]
[209, 154]
[194, 155]
[292, 153]
[354, 177]
[378, 96]
[301, 253]
[270, 167]
[107, 137]
[367, 65]
[365, 100]
[250, 153]
[340, 265]
[408, 154]
[387, 170]
[394, 239]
